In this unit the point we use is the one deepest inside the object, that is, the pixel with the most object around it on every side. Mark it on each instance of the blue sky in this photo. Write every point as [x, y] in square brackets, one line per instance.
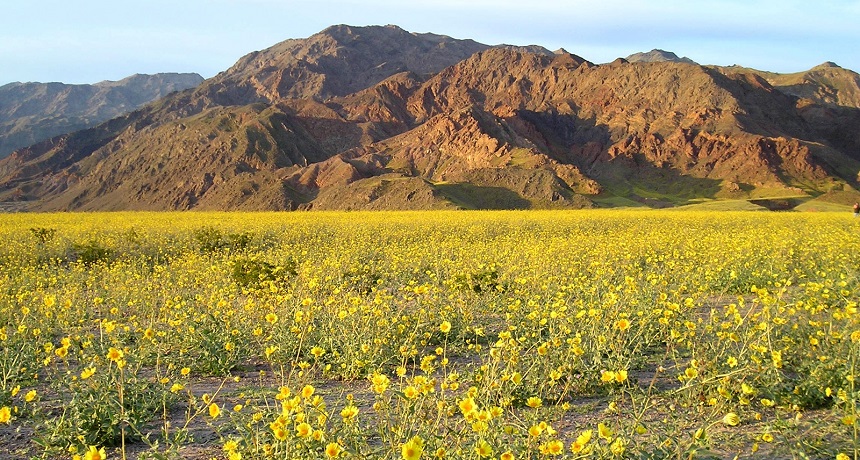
[86, 41]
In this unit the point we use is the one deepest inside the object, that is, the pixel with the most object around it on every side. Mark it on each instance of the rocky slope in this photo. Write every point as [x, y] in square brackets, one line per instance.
[380, 118]
[826, 84]
[33, 112]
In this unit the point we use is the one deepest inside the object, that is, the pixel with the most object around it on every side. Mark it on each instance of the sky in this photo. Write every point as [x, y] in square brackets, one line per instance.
[87, 41]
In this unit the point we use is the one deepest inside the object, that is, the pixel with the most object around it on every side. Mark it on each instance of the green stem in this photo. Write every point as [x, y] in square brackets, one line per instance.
[120, 385]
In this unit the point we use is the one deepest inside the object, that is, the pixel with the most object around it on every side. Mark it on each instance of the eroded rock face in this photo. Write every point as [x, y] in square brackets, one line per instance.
[379, 118]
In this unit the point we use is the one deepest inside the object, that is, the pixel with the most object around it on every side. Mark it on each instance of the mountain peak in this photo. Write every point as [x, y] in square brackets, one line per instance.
[826, 65]
[183, 80]
[658, 55]
[566, 58]
[338, 29]
[338, 61]
[533, 49]
[350, 29]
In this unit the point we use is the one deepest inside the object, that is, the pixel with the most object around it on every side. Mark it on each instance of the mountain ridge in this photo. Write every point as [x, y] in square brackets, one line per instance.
[350, 118]
[658, 55]
[31, 112]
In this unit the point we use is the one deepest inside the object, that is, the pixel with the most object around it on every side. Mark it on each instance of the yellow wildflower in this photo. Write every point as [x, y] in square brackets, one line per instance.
[467, 406]
[483, 449]
[231, 445]
[731, 419]
[410, 392]
[412, 449]
[554, 447]
[303, 430]
[214, 410]
[604, 431]
[349, 412]
[617, 447]
[584, 437]
[279, 432]
[607, 376]
[333, 449]
[95, 454]
[115, 355]
[5, 415]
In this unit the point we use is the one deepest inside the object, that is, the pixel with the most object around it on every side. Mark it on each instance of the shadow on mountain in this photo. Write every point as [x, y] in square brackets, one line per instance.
[471, 196]
[565, 138]
[560, 130]
[653, 186]
[836, 125]
[766, 111]
[585, 144]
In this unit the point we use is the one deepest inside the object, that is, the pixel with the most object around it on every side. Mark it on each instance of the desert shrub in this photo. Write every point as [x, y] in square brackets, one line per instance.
[42, 234]
[89, 253]
[479, 281]
[250, 272]
[211, 239]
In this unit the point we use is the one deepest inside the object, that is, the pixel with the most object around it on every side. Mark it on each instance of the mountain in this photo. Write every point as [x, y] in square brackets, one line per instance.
[33, 112]
[656, 55]
[827, 98]
[338, 61]
[826, 84]
[381, 118]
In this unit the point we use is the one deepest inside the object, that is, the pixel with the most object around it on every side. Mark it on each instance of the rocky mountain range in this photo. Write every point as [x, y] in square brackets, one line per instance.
[381, 118]
[34, 112]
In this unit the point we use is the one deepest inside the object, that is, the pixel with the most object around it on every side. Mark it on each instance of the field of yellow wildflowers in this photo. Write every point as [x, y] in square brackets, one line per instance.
[464, 335]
